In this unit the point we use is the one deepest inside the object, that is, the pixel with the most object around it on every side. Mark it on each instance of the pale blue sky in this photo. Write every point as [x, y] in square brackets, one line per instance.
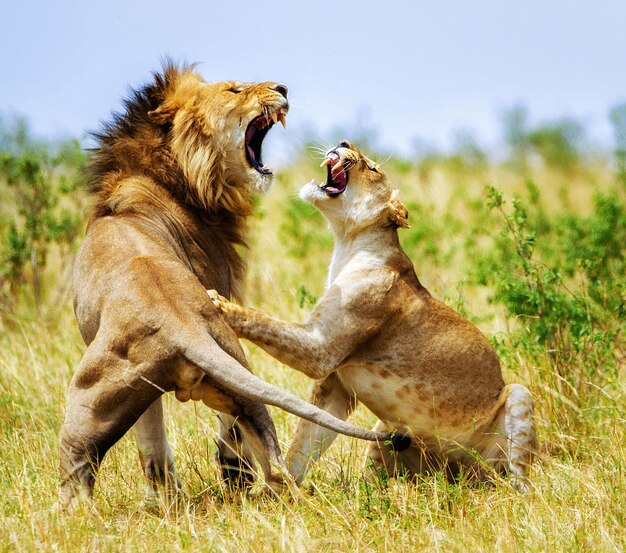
[409, 69]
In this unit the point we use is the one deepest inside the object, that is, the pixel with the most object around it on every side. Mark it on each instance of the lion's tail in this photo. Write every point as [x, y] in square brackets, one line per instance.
[229, 373]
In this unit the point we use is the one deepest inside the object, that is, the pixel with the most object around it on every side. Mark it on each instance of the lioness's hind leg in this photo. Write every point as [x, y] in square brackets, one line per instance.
[519, 428]
[233, 453]
[154, 450]
[312, 440]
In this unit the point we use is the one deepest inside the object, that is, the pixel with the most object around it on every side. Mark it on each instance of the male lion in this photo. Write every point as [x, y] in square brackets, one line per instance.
[171, 179]
[378, 336]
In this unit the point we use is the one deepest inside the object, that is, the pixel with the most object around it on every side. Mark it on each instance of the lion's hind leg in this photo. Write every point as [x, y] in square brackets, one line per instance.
[106, 397]
[154, 451]
[234, 455]
[258, 436]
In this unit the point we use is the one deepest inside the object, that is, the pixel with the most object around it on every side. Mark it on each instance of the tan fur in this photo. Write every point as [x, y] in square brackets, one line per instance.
[378, 336]
[171, 185]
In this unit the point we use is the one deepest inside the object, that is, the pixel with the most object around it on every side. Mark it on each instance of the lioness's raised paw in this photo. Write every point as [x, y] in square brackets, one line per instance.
[218, 301]
[233, 314]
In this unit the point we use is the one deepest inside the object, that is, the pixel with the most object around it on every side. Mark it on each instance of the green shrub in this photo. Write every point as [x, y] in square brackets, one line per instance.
[564, 284]
[41, 213]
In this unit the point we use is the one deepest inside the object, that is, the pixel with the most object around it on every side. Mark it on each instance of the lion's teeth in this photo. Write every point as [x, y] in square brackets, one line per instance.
[336, 167]
[274, 117]
[282, 120]
[325, 162]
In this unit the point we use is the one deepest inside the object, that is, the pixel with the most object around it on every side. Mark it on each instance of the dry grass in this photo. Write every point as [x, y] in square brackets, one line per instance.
[578, 482]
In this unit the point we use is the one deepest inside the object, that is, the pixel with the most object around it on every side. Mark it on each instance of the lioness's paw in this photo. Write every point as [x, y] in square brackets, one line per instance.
[218, 301]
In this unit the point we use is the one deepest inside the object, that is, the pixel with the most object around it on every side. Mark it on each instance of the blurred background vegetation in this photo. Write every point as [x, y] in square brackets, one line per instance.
[528, 242]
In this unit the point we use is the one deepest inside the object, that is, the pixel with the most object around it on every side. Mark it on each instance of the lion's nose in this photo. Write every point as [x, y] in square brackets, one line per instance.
[282, 89]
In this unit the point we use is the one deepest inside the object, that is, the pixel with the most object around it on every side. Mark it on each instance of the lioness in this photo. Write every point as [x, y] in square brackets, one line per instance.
[171, 179]
[377, 336]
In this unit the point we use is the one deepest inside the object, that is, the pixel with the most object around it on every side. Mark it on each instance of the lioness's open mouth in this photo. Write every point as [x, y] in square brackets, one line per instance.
[337, 179]
[255, 133]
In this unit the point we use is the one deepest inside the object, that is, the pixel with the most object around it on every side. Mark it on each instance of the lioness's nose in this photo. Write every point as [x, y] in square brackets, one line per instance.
[282, 89]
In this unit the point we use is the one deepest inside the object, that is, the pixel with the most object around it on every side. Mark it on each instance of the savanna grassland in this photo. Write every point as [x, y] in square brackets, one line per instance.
[529, 247]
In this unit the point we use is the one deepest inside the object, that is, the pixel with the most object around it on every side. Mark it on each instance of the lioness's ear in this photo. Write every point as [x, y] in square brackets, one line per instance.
[164, 113]
[398, 213]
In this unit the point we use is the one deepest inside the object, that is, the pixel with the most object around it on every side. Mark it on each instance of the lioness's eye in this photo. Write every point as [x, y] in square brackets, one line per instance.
[235, 89]
[372, 168]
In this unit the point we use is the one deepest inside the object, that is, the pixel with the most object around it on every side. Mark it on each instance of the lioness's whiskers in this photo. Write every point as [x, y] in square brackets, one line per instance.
[381, 163]
[320, 147]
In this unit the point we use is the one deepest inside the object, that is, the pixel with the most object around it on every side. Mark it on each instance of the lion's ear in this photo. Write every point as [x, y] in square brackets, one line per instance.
[398, 213]
[164, 113]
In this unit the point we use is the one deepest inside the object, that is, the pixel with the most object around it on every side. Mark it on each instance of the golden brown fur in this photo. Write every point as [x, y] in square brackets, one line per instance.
[377, 336]
[171, 179]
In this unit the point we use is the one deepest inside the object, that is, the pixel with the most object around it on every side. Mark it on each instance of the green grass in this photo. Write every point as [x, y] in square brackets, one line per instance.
[578, 481]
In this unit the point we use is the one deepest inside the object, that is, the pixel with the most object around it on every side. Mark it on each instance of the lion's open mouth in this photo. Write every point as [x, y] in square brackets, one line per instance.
[337, 178]
[255, 133]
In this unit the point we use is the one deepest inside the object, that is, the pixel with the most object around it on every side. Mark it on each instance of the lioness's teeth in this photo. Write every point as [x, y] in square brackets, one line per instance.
[335, 167]
[325, 162]
[282, 120]
[274, 117]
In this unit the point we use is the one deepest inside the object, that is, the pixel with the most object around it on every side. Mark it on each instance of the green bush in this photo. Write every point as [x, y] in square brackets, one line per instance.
[564, 283]
[39, 187]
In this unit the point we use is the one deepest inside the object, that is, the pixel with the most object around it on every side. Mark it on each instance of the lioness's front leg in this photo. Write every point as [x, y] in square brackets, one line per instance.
[295, 345]
[316, 347]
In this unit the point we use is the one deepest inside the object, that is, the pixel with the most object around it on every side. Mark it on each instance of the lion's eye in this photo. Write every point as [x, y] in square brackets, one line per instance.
[235, 89]
[372, 168]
